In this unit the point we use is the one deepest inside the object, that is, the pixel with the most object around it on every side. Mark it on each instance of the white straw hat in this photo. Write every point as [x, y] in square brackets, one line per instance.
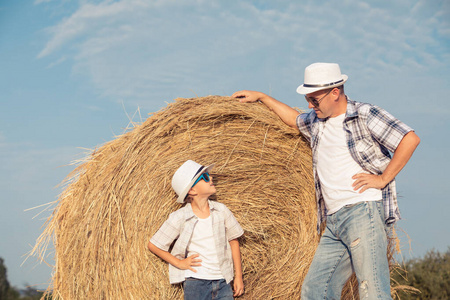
[320, 76]
[185, 176]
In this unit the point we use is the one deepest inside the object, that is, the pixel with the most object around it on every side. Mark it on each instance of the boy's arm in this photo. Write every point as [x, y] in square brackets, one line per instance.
[286, 113]
[183, 264]
[238, 281]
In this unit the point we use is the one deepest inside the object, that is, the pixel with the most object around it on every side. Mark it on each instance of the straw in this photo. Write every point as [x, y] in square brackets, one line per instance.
[121, 194]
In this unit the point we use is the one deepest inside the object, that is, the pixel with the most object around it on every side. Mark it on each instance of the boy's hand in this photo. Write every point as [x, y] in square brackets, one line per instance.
[238, 286]
[189, 262]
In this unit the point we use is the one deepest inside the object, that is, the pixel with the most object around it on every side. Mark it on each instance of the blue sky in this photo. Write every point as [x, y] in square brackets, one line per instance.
[73, 74]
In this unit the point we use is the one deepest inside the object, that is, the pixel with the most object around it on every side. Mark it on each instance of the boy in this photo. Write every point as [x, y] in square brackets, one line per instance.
[206, 232]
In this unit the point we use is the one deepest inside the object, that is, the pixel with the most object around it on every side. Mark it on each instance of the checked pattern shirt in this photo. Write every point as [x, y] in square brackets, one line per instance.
[371, 133]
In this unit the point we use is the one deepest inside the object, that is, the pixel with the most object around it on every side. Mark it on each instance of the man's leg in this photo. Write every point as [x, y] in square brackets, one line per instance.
[329, 270]
[362, 229]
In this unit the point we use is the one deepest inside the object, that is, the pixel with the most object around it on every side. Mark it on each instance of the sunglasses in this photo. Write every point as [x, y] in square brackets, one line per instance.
[205, 176]
[316, 102]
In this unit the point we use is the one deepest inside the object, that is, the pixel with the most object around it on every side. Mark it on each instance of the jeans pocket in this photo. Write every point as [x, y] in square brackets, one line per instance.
[380, 209]
[352, 205]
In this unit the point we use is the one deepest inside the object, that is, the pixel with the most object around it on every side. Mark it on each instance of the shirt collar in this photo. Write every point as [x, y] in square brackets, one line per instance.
[189, 213]
[352, 111]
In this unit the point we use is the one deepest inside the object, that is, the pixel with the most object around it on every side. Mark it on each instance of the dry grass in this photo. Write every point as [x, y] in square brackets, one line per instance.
[116, 200]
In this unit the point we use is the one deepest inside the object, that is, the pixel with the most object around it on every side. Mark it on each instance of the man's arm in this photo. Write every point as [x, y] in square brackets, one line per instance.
[236, 255]
[285, 112]
[401, 156]
[182, 264]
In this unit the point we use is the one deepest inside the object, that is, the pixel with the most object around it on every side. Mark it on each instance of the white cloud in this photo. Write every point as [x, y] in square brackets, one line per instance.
[141, 50]
[57, 62]
[85, 19]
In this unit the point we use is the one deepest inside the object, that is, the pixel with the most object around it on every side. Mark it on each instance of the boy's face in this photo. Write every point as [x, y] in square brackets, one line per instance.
[203, 188]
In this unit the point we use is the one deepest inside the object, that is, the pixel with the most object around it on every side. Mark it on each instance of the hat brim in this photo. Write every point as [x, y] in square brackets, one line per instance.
[308, 90]
[182, 195]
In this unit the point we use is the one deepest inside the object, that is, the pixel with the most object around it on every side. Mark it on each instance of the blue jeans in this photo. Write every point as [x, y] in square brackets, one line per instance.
[200, 289]
[355, 239]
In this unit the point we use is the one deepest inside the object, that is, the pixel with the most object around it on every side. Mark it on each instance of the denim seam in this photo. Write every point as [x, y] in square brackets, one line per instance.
[332, 273]
[214, 289]
[375, 284]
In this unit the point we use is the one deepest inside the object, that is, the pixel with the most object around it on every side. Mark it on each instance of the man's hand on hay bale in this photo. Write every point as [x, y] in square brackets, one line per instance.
[248, 96]
[285, 112]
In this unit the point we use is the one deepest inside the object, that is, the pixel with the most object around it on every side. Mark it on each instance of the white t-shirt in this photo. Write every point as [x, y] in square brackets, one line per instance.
[335, 167]
[202, 243]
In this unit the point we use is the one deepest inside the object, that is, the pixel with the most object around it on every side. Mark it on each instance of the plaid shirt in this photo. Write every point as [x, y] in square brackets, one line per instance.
[180, 225]
[371, 133]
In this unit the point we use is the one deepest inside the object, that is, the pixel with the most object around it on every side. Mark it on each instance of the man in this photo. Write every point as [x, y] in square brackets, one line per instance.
[354, 180]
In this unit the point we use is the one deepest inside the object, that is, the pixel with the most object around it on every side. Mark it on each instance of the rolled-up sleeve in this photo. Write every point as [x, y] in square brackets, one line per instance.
[232, 226]
[167, 233]
[385, 128]
[304, 125]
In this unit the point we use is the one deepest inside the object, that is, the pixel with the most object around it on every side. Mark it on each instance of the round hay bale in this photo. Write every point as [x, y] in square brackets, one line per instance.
[119, 197]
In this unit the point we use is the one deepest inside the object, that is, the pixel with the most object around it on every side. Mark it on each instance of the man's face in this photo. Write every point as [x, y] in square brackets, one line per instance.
[320, 102]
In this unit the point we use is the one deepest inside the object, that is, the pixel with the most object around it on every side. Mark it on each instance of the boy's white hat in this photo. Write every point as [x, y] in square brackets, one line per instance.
[320, 76]
[185, 176]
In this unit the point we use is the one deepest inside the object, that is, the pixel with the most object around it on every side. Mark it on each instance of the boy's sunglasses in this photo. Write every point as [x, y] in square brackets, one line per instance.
[205, 176]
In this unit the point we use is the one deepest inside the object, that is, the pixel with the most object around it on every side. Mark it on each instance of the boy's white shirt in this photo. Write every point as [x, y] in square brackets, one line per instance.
[201, 241]
[180, 225]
